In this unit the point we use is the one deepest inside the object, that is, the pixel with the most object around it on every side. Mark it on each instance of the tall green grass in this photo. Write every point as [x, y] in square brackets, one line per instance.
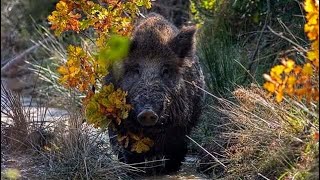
[223, 59]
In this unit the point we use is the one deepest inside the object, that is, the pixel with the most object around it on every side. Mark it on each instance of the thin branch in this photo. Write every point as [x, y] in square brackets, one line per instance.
[289, 40]
[19, 58]
[216, 159]
[263, 176]
[116, 5]
[251, 61]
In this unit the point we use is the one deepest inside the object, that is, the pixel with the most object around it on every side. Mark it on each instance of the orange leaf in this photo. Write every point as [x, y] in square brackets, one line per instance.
[279, 96]
[291, 80]
[316, 136]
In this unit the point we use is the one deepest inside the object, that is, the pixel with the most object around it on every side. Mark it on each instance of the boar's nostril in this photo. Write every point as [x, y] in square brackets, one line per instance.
[147, 117]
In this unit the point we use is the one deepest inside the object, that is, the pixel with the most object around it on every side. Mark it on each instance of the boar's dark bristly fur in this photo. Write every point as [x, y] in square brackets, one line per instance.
[158, 75]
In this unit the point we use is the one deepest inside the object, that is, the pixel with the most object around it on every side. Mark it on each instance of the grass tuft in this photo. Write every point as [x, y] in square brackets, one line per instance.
[266, 139]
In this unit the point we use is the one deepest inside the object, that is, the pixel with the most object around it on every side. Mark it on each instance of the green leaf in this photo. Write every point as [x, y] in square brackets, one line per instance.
[117, 49]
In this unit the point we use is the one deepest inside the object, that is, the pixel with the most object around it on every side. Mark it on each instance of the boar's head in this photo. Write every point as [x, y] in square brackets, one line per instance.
[153, 73]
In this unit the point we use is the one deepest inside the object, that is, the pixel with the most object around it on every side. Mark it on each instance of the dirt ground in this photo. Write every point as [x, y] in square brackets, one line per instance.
[32, 168]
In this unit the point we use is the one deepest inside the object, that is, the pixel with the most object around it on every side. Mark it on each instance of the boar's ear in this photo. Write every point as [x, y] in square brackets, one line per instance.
[183, 43]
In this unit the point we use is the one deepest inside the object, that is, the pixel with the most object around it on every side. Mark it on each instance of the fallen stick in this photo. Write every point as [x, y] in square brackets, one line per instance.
[19, 58]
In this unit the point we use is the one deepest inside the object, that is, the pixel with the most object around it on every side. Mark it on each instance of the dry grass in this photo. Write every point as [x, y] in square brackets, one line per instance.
[63, 148]
[268, 140]
[81, 152]
[23, 127]
[24, 133]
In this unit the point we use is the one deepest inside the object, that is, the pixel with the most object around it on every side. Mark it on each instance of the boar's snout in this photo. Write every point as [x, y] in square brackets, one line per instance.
[147, 117]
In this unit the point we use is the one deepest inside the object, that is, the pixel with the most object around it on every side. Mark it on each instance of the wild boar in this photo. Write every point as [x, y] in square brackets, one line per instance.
[161, 76]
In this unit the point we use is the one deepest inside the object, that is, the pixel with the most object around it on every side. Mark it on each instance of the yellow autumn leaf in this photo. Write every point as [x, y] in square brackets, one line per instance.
[307, 69]
[312, 55]
[142, 145]
[73, 71]
[315, 47]
[147, 141]
[61, 6]
[277, 70]
[63, 70]
[309, 6]
[269, 86]
[279, 96]
[289, 66]
[311, 31]
[124, 114]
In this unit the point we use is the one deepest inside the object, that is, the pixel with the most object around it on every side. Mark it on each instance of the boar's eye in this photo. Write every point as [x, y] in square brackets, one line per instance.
[133, 71]
[165, 72]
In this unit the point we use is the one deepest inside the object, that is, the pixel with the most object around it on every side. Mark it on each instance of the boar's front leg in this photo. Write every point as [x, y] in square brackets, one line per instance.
[175, 150]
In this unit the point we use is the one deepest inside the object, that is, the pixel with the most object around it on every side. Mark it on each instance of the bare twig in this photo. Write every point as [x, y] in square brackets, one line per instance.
[263, 176]
[216, 159]
[289, 40]
[116, 5]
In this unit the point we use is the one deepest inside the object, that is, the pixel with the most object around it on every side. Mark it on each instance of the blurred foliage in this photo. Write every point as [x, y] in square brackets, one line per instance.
[17, 23]
[244, 14]
[245, 24]
[19, 14]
